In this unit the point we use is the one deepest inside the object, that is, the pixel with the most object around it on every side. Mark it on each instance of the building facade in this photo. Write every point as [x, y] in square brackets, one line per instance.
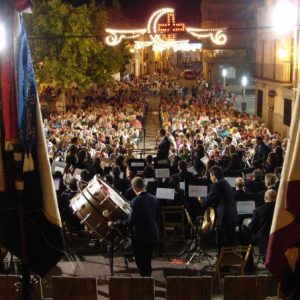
[238, 53]
[276, 69]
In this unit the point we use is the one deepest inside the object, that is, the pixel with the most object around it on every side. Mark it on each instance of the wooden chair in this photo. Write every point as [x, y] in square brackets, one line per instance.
[173, 220]
[11, 288]
[189, 288]
[75, 288]
[126, 288]
[233, 257]
[246, 287]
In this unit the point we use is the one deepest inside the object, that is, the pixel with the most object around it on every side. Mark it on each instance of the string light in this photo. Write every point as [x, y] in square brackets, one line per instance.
[118, 35]
[2, 37]
[169, 29]
[217, 35]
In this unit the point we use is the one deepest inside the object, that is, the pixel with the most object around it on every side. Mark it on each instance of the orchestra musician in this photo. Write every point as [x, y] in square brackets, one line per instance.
[221, 198]
[142, 220]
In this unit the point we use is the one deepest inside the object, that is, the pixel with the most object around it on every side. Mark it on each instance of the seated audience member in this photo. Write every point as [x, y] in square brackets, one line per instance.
[256, 185]
[260, 225]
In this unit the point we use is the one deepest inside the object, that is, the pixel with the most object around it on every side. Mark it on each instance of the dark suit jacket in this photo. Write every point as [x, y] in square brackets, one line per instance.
[163, 148]
[121, 185]
[221, 198]
[241, 195]
[255, 186]
[261, 225]
[142, 218]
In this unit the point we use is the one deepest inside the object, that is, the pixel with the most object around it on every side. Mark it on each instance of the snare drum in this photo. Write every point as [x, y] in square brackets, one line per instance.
[96, 204]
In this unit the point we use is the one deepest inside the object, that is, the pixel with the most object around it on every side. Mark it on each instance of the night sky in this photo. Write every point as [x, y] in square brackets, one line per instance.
[187, 11]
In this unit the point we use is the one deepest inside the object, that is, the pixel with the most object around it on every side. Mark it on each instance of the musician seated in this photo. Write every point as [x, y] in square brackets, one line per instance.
[120, 184]
[149, 171]
[184, 174]
[260, 225]
[240, 194]
[66, 211]
[179, 198]
[255, 185]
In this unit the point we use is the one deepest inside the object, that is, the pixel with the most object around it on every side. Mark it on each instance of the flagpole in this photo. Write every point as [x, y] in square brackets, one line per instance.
[19, 186]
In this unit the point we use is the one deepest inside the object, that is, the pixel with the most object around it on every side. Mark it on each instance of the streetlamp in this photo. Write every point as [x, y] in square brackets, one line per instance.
[2, 37]
[224, 74]
[244, 83]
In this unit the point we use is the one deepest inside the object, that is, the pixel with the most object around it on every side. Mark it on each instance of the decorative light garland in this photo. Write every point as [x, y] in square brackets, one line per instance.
[155, 30]
[216, 35]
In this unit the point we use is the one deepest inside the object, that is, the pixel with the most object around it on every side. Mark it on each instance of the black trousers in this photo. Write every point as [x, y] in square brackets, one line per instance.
[142, 251]
[225, 236]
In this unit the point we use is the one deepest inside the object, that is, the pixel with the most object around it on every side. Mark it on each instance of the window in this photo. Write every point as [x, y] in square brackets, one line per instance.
[287, 114]
[259, 107]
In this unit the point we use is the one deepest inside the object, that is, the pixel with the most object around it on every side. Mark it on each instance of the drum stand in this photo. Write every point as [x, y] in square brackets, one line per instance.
[110, 252]
[198, 250]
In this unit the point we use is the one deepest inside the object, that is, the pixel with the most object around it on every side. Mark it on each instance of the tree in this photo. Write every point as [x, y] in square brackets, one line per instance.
[67, 43]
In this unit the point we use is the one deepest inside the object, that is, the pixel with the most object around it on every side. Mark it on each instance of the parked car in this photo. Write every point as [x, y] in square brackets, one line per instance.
[189, 74]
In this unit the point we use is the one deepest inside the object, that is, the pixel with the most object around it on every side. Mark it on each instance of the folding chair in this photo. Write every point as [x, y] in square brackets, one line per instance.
[234, 257]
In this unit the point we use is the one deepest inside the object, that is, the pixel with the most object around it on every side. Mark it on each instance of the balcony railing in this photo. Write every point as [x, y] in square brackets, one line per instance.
[282, 72]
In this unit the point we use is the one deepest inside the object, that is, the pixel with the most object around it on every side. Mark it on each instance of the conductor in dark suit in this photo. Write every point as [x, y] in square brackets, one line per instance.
[142, 220]
[164, 145]
[221, 198]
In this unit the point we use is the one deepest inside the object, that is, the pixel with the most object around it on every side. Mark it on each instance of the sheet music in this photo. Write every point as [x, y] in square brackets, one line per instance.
[245, 207]
[58, 166]
[231, 181]
[137, 164]
[59, 169]
[197, 190]
[182, 185]
[147, 180]
[192, 170]
[205, 160]
[162, 173]
[77, 173]
[165, 193]
[56, 184]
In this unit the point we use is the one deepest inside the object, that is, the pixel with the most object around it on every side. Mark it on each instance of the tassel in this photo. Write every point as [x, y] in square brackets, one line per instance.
[26, 163]
[9, 146]
[31, 164]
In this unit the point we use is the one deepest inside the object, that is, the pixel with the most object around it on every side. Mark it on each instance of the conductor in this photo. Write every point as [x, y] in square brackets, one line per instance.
[142, 220]
[164, 145]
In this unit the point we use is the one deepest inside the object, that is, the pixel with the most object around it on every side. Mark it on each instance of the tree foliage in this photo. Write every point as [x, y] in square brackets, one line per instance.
[67, 43]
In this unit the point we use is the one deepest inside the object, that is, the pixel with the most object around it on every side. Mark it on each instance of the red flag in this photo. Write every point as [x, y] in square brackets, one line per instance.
[284, 242]
[22, 5]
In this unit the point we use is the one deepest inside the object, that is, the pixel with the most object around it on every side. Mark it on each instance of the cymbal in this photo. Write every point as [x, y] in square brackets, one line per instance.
[208, 220]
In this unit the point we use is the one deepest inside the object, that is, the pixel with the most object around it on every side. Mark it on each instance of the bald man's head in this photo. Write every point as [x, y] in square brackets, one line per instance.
[270, 196]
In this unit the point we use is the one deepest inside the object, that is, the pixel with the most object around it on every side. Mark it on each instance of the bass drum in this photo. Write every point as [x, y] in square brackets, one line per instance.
[95, 205]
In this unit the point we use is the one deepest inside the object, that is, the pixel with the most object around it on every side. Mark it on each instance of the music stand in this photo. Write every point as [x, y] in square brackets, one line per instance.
[196, 240]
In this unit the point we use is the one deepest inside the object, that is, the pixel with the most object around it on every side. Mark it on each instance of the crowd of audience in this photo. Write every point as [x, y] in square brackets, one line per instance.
[203, 130]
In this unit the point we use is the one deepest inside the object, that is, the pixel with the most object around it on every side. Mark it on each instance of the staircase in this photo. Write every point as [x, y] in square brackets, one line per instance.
[152, 122]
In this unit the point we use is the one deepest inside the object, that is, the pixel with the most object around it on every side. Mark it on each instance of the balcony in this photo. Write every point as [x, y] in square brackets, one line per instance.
[282, 73]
